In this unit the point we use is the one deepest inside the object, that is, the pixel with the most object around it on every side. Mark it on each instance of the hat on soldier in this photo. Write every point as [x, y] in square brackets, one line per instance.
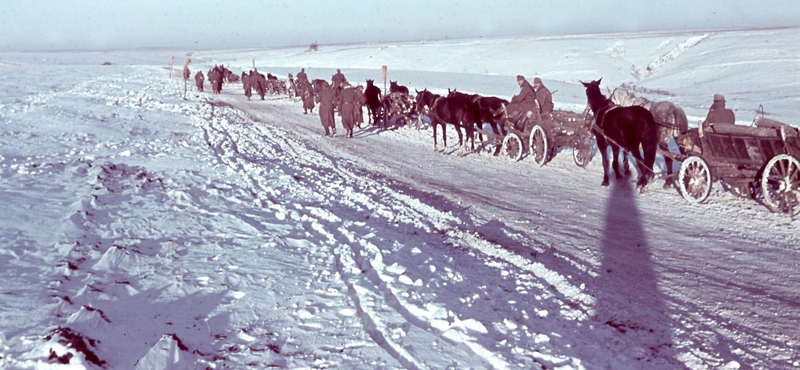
[520, 77]
[719, 97]
[537, 80]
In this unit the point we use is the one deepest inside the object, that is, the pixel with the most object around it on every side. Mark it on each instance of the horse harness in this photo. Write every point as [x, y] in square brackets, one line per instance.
[601, 114]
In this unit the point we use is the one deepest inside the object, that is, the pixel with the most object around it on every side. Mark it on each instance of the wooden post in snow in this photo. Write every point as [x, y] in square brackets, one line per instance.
[171, 62]
[385, 71]
[254, 65]
[185, 76]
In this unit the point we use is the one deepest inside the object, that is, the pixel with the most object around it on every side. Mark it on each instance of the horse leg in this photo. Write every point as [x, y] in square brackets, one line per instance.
[625, 155]
[461, 141]
[668, 181]
[435, 141]
[649, 159]
[444, 136]
[603, 147]
[615, 160]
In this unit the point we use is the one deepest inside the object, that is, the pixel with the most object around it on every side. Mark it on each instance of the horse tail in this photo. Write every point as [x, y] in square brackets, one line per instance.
[650, 141]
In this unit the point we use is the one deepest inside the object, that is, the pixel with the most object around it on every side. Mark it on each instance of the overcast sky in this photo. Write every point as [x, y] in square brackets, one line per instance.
[204, 24]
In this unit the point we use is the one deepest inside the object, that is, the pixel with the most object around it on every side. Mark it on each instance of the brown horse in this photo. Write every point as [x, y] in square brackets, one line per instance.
[623, 128]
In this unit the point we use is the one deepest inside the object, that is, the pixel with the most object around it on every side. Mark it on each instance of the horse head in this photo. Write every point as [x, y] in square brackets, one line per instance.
[594, 95]
[370, 83]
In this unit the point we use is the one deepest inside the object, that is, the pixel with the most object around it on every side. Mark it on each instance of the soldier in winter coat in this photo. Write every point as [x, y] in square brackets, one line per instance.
[301, 76]
[347, 108]
[543, 96]
[247, 85]
[718, 113]
[338, 80]
[361, 99]
[337, 83]
[523, 102]
[307, 94]
[259, 82]
[325, 99]
[198, 80]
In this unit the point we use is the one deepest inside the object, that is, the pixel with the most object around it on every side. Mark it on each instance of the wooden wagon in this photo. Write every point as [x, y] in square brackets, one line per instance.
[541, 136]
[397, 107]
[751, 160]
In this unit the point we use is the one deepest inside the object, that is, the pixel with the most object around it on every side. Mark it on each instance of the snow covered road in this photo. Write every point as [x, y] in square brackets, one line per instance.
[142, 230]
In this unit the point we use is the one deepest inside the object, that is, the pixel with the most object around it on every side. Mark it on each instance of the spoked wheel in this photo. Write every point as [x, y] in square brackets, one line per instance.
[538, 145]
[694, 179]
[512, 146]
[780, 185]
[583, 151]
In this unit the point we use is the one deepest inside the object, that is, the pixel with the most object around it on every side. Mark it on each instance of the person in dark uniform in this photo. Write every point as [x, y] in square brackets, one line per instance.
[325, 99]
[523, 102]
[361, 99]
[718, 113]
[247, 85]
[198, 80]
[543, 96]
[347, 108]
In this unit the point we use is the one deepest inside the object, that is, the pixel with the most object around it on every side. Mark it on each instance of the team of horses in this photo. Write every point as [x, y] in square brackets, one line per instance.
[623, 122]
[635, 126]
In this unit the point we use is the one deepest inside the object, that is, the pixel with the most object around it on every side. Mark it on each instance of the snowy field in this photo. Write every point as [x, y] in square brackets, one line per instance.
[144, 231]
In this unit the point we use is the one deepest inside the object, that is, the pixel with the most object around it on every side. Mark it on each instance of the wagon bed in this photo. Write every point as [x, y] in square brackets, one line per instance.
[749, 159]
[542, 135]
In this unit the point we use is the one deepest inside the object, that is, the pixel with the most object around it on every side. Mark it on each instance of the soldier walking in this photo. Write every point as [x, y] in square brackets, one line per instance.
[361, 99]
[325, 100]
[347, 108]
[198, 80]
[247, 85]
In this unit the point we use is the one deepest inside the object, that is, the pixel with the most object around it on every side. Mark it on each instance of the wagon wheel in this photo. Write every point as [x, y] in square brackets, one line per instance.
[694, 179]
[512, 146]
[780, 185]
[583, 151]
[537, 143]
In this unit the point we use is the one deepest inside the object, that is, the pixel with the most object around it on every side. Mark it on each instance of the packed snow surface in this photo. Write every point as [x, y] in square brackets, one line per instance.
[142, 230]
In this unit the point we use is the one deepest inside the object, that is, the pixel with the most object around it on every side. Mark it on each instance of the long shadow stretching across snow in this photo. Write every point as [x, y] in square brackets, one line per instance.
[628, 298]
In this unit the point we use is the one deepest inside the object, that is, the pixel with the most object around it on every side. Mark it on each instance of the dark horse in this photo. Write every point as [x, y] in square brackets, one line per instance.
[493, 113]
[473, 115]
[458, 111]
[425, 100]
[626, 128]
[670, 118]
[394, 87]
[373, 95]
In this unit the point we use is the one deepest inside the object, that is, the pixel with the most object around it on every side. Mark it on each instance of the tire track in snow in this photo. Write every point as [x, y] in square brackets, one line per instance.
[360, 288]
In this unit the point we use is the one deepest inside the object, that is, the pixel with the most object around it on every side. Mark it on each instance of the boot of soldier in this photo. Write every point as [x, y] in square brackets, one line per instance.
[327, 132]
[334, 131]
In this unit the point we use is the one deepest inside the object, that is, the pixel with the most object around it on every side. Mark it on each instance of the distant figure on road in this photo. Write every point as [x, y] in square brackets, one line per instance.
[347, 108]
[198, 80]
[360, 101]
[247, 85]
[301, 76]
